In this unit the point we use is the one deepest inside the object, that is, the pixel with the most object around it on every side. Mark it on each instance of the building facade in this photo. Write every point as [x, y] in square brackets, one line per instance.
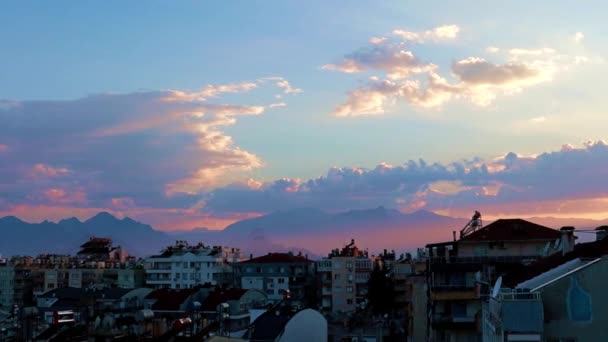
[276, 273]
[183, 266]
[7, 283]
[342, 278]
[559, 298]
[457, 271]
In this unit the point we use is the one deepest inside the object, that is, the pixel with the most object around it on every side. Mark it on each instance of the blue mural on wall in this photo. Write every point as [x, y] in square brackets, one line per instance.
[579, 302]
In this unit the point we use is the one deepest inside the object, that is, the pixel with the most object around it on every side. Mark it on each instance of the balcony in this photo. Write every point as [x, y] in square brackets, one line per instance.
[443, 321]
[483, 259]
[516, 312]
[454, 292]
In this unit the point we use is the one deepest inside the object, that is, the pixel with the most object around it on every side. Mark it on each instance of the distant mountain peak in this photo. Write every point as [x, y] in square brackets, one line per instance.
[102, 217]
[11, 220]
[70, 221]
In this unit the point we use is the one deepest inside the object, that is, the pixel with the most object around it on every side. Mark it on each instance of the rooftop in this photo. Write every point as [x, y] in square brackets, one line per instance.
[277, 258]
[587, 250]
[171, 299]
[220, 296]
[512, 230]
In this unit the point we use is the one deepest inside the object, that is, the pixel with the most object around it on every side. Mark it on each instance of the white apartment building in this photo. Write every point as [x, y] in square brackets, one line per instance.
[182, 266]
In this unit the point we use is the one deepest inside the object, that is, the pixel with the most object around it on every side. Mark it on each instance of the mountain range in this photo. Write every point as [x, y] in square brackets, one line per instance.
[307, 230]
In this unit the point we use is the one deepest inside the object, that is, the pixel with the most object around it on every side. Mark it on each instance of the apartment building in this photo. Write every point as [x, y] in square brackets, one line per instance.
[182, 266]
[342, 278]
[458, 269]
[7, 281]
[276, 273]
[557, 299]
[97, 264]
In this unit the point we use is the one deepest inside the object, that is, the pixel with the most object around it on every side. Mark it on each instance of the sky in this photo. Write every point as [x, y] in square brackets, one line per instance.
[198, 114]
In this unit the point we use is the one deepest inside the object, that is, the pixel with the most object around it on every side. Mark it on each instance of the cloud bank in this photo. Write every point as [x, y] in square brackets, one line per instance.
[567, 181]
[398, 73]
[151, 149]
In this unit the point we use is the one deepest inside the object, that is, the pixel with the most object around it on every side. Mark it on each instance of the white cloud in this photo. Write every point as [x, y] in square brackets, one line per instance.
[392, 59]
[539, 119]
[578, 37]
[530, 52]
[446, 32]
[377, 40]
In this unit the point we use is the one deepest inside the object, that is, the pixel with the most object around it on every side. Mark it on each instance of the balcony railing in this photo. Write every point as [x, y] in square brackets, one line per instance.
[483, 259]
[453, 292]
[443, 318]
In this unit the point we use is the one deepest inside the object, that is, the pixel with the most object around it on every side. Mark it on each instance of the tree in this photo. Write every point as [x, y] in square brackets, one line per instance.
[381, 291]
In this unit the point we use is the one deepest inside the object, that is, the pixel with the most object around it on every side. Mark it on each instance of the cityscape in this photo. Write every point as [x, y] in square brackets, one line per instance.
[331, 171]
[507, 280]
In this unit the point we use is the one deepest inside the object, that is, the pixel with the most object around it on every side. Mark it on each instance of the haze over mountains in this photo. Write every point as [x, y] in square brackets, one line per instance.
[309, 230]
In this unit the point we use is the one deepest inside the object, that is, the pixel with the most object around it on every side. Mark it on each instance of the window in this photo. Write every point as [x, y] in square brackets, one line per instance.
[459, 309]
[177, 275]
[270, 292]
[270, 270]
[185, 276]
[177, 286]
[249, 270]
[349, 289]
[336, 277]
[281, 281]
[282, 269]
[349, 301]
[258, 270]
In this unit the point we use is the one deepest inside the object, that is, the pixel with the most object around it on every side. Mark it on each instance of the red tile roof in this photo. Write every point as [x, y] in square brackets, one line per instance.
[171, 299]
[277, 258]
[582, 250]
[220, 296]
[512, 230]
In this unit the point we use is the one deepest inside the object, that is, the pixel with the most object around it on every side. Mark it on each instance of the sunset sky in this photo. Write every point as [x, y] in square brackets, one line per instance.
[197, 114]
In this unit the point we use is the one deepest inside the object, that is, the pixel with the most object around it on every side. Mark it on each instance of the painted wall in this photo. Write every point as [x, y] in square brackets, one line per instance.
[524, 248]
[576, 306]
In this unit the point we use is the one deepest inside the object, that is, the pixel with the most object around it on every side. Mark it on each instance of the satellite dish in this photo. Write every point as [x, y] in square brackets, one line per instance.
[497, 287]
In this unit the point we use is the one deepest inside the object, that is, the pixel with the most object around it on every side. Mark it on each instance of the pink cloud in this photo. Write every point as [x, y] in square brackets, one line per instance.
[43, 170]
[122, 203]
[4, 148]
[61, 196]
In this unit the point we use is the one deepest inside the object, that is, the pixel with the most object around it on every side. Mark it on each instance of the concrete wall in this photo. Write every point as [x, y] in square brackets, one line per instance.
[576, 306]
[417, 309]
[524, 248]
[306, 326]
[343, 285]
[7, 278]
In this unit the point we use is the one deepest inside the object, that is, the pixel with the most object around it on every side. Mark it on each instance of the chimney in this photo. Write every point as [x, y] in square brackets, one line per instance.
[601, 233]
[567, 239]
[454, 234]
